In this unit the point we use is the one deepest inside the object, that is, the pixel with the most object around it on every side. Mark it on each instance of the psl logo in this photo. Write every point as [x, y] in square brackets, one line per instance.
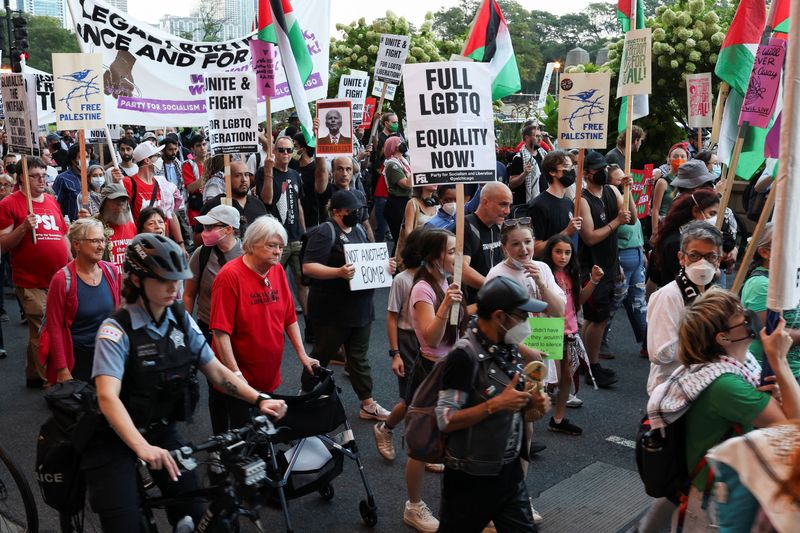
[422, 178]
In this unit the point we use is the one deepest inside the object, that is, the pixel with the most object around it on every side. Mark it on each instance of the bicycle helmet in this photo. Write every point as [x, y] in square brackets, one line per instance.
[155, 256]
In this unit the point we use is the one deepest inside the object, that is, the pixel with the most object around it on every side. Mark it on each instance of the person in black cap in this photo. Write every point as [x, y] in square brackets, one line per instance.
[57, 152]
[338, 315]
[480, 411]
[602, 212]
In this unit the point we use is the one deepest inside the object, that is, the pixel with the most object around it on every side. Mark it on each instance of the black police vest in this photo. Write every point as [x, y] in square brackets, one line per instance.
[160, 381]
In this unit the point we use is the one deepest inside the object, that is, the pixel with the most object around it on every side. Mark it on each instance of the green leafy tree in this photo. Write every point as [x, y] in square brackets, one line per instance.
[211, 20]
[358, 49]
[45, 37]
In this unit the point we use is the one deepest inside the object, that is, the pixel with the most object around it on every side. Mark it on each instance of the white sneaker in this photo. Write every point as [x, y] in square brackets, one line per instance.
[574, 401]
[537, 518]
[373, 411]
[383, 440]
[418, 516]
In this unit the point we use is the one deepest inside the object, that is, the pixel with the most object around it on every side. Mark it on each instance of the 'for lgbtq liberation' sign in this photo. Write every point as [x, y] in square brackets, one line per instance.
[635, 69]
[354, 86]
[698, 95]
[19, 106]
[78, 81]
[391, 58]
[231, 104]
[762, 91]
[450, 122]
[583, 110]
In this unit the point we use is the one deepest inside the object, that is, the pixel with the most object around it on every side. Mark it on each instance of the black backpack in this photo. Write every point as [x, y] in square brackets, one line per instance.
[62, 439]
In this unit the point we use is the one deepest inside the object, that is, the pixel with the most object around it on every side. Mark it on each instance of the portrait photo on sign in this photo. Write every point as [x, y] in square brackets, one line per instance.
[335, 135]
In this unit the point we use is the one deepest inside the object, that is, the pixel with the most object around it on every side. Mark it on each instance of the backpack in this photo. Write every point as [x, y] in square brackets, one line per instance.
[62, 439]
[194, 199]
[328, 227]
[424, 441]
[205, 255]
[753, 201]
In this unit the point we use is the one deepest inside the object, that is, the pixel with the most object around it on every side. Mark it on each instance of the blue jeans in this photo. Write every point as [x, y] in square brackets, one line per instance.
[630, 292]
[380, 223]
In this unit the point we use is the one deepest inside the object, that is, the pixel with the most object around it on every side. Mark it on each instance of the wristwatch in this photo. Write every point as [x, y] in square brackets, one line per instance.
[392, 353]
[260, 398]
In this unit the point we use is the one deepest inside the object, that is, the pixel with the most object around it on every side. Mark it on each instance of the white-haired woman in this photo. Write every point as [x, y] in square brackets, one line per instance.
[251, 309]
[82, 294]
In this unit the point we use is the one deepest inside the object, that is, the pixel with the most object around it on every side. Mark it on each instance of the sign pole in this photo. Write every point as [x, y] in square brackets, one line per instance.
[628, 150]
[269, 140]
[228, 200]
[763, 218]
[699, 139]
[579, 183]
[731, 175]
[101, 155]
[378, 112]
[28, 193]
[724, 88]
[111, 148]
[459, 266]
[84, 182]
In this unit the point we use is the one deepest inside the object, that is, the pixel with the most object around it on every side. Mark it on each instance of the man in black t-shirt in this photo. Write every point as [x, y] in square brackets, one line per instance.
[249, 207]
[550, 212]
[343, 180]
[482, 236]
[282, 195]
[602, 213]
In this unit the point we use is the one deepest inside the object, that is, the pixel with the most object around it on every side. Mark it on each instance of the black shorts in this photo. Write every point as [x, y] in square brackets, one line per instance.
[408, 345]
[598, 307]
[422, 367]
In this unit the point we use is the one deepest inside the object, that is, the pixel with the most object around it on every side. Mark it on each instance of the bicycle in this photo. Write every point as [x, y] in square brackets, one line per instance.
[18, 512]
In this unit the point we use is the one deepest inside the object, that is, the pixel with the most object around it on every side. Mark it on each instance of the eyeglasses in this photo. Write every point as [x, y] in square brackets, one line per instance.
[711, 257]
[284, 150]
[274, 246]
[746, 322]
[512, 222]
[37, 177]
[95, 242]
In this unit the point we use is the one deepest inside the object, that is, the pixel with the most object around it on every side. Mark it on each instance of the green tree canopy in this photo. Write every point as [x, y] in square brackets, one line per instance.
[46, 37]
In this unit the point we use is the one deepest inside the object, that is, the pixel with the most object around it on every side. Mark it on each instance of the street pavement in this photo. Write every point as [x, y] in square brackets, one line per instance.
[579, 483]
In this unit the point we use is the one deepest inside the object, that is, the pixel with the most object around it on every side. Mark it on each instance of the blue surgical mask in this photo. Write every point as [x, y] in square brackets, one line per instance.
[717, 171]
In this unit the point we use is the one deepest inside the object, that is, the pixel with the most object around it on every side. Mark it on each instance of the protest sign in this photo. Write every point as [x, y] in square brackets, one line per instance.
[698, 94]
[230, 100]
[377, 89]
[642, 190]
[19, 106]
[547, 335]
[548, 74]
[450, 122]
[77, 81]
[392, 55]
[353, 86]
[99, 135]
[264, 57]
[635, 69]
[335, 134]
[583, 110]
[762, 91]
[45, 95]
[371, 261]
[153, 77]
[369, 112]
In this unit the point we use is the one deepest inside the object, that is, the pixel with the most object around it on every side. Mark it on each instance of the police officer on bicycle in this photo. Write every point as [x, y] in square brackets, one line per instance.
[146, 358]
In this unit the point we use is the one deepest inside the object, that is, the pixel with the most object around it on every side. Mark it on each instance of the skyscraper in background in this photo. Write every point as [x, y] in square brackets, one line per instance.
[46, 8]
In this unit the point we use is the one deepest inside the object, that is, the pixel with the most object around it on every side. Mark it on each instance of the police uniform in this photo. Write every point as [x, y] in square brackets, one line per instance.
[156, 364]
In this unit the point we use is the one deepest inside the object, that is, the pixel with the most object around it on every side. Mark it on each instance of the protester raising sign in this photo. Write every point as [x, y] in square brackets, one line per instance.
[78, 80]
[698, 94]
[353, 87]
[19, 106]
[762, 91]
[450, 122]
[642, 190]
[230, 100]
[371, 261]
[392, 55]
[335, 128]
[583, 110]
[635, 70]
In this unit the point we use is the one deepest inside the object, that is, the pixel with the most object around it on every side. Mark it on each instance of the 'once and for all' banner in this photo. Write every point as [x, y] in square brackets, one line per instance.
[635, 69]
[450, 122]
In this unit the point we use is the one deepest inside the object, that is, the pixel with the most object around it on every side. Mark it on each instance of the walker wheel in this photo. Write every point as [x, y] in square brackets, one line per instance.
[368, 513]
[327, 492]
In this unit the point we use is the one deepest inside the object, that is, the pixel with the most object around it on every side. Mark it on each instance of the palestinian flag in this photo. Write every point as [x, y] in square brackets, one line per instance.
[489, 41]
[641, 102]
[734, 66]
[781, 22]
[277, 24]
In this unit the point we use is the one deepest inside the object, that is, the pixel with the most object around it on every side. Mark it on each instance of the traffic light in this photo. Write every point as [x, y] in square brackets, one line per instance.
[20, 44]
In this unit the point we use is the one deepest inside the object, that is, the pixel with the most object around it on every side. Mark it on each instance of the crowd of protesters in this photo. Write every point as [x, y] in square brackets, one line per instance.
[248, 265]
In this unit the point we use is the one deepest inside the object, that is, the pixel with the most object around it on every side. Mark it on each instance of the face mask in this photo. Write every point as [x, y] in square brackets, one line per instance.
[712, 220]
[601, 178]
[518, 333]
[98, 182]
[160, 138]
[676, 163]
[430, 202]
[449, 208]
[350, 219]
[211, 237]
[10, 168]
[567, 178]
[402, 148]
[701, 273]
[296, 155]
[394, 127]
[517, 264]
[716, 170]
[753, 326]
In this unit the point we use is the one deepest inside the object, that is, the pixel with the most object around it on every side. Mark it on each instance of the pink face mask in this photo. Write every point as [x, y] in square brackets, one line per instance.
[211, 237]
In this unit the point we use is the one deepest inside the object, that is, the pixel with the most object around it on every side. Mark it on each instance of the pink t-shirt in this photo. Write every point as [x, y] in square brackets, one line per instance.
[570, 317]
[423, 292]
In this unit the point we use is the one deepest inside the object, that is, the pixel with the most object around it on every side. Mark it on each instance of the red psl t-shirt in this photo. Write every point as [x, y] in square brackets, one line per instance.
[255, 316]
[33, 266]
[119, 241]
[144, 193]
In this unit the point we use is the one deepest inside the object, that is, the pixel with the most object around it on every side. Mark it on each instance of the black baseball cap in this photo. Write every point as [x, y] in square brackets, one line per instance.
[595, 160]
[507, 295]
[346, 199]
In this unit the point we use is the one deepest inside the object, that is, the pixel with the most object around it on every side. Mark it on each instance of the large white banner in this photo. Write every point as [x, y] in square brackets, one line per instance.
[583, 110]
[450, 122]
[152, 77]
[230, 97]
[20, 112]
